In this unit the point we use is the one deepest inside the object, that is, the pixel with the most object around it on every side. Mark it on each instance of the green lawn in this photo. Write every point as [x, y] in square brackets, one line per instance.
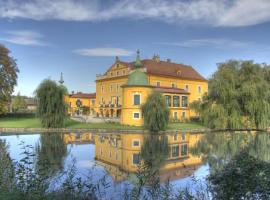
[35, 123]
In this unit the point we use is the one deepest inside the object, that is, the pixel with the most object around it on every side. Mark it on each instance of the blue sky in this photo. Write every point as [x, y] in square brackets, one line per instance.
[81, 38]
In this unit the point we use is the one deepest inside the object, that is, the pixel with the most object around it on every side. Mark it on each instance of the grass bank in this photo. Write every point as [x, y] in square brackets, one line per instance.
[32, 122]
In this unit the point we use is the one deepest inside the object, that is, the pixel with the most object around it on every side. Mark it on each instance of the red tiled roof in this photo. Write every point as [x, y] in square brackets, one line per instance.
[170, 69]
[171, 90]
[83, 95]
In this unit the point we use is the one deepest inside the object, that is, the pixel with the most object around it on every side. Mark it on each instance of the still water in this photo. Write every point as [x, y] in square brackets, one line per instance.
[180, 157]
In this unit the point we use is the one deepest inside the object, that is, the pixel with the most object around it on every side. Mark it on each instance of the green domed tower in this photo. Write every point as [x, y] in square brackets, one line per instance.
[138, 76]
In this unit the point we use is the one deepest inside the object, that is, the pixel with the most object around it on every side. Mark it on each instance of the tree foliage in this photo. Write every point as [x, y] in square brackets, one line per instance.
[244, 177]
[18, 103]
[6, 167]
[238, 97]
[155, 112]
[8, 77]
[51, 104]
[50, 152]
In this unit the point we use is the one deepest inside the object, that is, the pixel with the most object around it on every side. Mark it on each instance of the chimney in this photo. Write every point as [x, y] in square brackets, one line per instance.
[168, 60]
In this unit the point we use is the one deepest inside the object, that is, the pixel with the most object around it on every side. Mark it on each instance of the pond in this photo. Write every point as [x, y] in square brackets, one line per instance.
[184, 159]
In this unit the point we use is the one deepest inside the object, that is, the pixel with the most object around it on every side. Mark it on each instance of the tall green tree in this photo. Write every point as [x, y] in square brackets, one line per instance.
[155, 112]
[18, 103]
[8, 77]
[238, 97]
[51, 104]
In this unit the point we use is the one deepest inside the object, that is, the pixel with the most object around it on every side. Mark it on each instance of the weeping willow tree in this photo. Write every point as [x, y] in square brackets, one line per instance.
[217, 149]
[238, 97]
[155, 112]
[51, 104]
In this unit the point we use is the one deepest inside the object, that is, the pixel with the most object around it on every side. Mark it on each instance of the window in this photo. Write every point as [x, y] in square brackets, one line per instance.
[136, 115]
[116, 156]
[186, 87]
[175, 151]
[124, 72]
[183, 136]
[199, 89]
[173, 85]
[101, 152]
[110, 154]
[175, 115]
[102, 89]
[136, 143]
[111, 88]
[136, 159]
[102, 100]
[179, 73]
[183, 115]
[168, 100]
[184, 101]
[184, 149]
[117, 87]
[175, 101]
[158, 83]
[117, 73]
[111, 74]
[137, 99]
[175, 137]
[93, 101]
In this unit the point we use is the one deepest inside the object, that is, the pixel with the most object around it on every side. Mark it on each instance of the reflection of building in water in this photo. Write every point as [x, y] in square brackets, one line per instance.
[79, 138]
[119, 153]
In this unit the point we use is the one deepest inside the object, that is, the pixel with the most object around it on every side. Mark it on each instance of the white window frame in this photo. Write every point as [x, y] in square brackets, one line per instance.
[174, 115]
[136, 140]
[199, 90]
[135, 113]
[140, 99]
[184, 114]
[187, 87]
[174, 137]
[133, 160]
[102, 89]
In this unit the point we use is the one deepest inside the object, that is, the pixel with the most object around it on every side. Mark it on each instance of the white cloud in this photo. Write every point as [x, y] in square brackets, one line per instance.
[103, 52]
[24, 37]
[220, 43]
[210, 12]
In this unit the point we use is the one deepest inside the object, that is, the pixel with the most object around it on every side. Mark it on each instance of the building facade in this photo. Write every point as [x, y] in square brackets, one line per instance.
[125, 86]
[81, 103]
[120, 154]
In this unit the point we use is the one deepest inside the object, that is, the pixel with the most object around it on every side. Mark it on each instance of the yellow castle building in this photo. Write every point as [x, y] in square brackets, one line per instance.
[119, 154]
[125, 86]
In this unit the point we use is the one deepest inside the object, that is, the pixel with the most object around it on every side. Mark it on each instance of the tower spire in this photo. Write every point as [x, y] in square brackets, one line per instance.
[61, 81]
[138, 63]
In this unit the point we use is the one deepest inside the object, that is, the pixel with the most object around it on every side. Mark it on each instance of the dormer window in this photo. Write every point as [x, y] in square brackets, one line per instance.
[173, 85]
[178, 73]
[117, 73]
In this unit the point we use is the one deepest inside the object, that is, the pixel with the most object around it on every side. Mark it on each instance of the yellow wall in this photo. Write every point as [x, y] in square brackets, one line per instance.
[125, 150]
[111, 81]
[111, 84]
[72, 107]
[128, 107]
[181, 83]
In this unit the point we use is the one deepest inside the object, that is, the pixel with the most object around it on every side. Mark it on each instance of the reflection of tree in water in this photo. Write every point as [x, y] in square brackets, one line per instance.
[6, 167]
[218, 148]
[153, 155]
[51, 152]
